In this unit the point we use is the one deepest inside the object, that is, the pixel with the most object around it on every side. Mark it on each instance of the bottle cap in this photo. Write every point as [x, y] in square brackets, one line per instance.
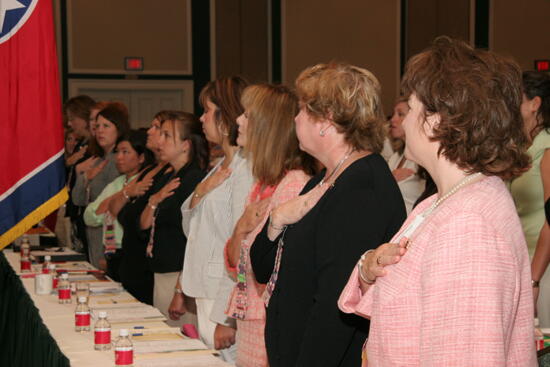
[102, 314]
[64, 276]
[82, 299]
[47, 258]
[123, 332]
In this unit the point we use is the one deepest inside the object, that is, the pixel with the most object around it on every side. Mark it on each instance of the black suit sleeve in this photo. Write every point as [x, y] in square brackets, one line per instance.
[262, 255]
[356, 222]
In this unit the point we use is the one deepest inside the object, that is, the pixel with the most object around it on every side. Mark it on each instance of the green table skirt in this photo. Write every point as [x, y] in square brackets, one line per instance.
[24, 339]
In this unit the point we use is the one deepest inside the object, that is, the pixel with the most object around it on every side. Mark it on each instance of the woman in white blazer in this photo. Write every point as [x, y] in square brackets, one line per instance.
[209, 216]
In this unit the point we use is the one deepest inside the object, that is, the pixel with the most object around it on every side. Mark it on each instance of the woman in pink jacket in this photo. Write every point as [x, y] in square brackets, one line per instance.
[453, 288]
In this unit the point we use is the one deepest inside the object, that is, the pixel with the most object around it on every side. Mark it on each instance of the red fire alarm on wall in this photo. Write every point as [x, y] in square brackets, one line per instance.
[133, 63]
[542, 65]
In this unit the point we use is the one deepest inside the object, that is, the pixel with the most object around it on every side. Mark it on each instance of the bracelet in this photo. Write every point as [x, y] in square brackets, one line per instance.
[360, 268]
[178, 291]
[196, 195]
[125, 194]
[274, 227]
[535, 283]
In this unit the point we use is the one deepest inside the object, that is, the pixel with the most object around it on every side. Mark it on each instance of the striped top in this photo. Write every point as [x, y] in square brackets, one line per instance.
[461, 295]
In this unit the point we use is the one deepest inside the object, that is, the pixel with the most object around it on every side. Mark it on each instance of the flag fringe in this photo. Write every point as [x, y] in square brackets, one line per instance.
[34, 217]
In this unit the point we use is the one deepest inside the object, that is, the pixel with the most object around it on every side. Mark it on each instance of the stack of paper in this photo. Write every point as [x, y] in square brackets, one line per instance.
[129, 314]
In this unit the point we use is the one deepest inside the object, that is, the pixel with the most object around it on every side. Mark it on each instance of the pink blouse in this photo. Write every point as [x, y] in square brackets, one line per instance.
[289, 187]
[461, 295]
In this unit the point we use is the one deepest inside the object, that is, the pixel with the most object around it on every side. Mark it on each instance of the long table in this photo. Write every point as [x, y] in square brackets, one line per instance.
[60, 344]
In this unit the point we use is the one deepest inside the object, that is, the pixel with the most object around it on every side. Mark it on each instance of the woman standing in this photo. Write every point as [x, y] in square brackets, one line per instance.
[182, 145]
[343, 211]
[96, 172]
[405, 171]
[135, 273]
[131, 157]
[532, 189]
[460, 294]
[280, 169]
[209, 216]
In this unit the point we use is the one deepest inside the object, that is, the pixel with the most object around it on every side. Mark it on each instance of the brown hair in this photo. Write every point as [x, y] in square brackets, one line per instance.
[79, 106]
[271, 136]
[398, 145]
[350, 97]
[117, 114]
[189, 128]
[537, 84]
[93, 146]
[477, 95]
[225, 93]
[163, 115]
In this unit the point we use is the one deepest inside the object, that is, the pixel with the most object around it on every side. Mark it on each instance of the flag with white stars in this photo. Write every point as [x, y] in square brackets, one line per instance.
[32, 182]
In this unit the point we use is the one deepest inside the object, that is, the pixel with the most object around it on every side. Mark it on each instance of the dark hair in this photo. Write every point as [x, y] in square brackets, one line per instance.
[537, 84]
[161, 116]
[225, 93]
[79, 106]
[477, 95]
[189, 127]
[138, 139]
[117, 114]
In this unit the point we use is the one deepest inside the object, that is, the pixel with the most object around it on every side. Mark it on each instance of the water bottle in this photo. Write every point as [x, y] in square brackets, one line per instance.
[25, 247]
[53, 272]
[539, 336]
[46, 264]
[102, 332]
[25, 264]
[124, 350]
[64, 289]
[82, 315]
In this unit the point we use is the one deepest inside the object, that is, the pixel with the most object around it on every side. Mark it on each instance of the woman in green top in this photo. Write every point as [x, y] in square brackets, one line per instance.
[532, 189]
[131, 156]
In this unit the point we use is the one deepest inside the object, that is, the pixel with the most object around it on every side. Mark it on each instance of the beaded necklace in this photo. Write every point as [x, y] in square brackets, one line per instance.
[420, 218]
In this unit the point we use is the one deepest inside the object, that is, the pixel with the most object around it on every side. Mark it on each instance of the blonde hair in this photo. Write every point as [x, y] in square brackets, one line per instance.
[349, 96]
[272, 144]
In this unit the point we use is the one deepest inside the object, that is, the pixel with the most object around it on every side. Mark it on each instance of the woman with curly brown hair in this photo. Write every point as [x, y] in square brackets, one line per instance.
[453, 287]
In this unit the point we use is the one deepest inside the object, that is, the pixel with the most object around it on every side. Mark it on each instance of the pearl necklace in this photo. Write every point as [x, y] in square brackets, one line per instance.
[452, 191]
[417, 221]
[338, 165]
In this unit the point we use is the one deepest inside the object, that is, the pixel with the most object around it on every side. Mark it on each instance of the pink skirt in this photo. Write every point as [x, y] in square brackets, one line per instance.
[251, 344]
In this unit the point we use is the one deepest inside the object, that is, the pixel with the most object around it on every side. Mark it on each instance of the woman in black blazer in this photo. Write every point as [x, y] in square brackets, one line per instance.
[310, 245]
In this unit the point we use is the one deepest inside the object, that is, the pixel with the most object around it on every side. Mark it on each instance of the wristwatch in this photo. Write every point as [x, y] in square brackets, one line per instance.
[535, 283]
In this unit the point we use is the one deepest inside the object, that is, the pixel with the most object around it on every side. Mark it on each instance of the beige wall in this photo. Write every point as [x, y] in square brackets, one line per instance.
[241, 39]
[521, 29]
[102, 32]
[361, 32]
[427, 19]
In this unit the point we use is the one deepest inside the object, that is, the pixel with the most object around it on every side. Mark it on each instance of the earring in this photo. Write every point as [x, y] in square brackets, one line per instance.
[322, 132]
